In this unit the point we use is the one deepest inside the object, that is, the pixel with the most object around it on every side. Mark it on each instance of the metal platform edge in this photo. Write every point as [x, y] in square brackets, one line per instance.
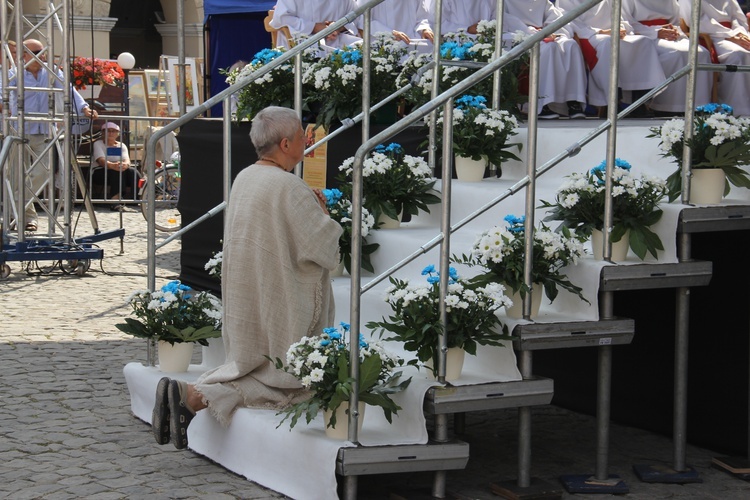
[651, 276]
[432, 456]
[539, 336]
[714, 219]
[492, 396]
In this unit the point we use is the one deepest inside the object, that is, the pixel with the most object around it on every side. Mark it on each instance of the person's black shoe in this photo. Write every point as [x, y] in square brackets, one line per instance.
[547, 114]
[160, 414]
[575, 110]
[180, 414]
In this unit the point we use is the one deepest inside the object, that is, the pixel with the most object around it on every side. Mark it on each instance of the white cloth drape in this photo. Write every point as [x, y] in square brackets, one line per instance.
[406, 16]
[300, 17]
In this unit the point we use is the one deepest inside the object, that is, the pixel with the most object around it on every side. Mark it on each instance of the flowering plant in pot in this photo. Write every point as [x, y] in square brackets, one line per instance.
[394, 183]
[481, 133]
[321, 363]
[175, 314]
[579, 205]
[471, 317]
[340, 210]
[720, 141]
[93, 71]
[214, 264]
[501, 252]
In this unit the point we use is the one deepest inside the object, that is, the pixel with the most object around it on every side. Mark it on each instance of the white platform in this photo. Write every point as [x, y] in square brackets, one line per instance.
[280, 458]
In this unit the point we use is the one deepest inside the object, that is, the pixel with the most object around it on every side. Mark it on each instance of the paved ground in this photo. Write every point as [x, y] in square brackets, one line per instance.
[67, 430]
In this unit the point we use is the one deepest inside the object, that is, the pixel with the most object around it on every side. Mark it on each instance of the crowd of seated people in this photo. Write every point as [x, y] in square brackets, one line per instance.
[575, 60]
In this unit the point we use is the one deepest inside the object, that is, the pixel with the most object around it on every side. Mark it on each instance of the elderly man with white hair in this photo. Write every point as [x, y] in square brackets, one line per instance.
[307, 17]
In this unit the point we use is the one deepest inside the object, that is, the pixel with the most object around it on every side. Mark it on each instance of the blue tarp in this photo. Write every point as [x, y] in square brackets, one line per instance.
[212, 7]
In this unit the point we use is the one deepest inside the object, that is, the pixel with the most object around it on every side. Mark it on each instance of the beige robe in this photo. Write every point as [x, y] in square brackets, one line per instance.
[278, 249]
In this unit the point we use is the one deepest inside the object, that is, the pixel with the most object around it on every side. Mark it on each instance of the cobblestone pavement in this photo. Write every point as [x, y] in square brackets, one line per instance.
[68, 431]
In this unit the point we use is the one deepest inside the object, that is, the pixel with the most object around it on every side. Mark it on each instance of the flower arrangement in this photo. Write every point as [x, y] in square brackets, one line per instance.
[386, 54]
[579, 205]
[501, 251]
[720, 140]
[213, 266]
[274, 88]
[394, 182]
[340, 210]
[335, 81]
[481, 133]
[175, 313]
[321, 364]
[87, 71]
[471, 317]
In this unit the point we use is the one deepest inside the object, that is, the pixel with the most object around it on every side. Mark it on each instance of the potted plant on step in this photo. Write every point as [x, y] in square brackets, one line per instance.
[719, 147]
[321, 363]
[579, 205]
[471, 317]
[177, 317]
[340, 210]
[501, 252]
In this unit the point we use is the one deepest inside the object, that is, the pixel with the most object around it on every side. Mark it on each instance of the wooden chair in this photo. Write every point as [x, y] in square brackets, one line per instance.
[707, 43]
[274, 32]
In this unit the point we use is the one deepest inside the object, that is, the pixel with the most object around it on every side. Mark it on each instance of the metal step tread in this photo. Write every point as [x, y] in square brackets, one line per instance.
[492, 396]
[655, 275]
[714, 219]
[432, 456]
[538, 336]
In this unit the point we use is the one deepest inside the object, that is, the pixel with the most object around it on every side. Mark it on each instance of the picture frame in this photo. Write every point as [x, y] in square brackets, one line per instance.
[192, 95]
[138, 104]
[156, 84]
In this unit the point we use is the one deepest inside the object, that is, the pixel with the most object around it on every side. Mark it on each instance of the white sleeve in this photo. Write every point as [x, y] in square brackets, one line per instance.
[286, 14]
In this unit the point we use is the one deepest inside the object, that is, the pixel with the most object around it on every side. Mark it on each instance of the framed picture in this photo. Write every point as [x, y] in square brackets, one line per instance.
[191, 93]
[156, 85]
[138, 104]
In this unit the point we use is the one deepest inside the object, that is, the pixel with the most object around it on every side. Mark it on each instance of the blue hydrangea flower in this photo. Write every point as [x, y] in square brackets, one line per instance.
[325, 342]
[455, 50]
[433, 279]
[428, 270]
[265, 56]
[333, 196]
[713, 107]
[471, 101]
[619, 163]
[347, 56]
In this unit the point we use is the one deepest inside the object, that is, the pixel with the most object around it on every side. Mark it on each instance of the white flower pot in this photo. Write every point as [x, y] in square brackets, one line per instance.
[619, 248]
[454, 364]
[213, 355]
[341, 431]
[516, 310]
[175, 358]
[707, 186]
[385, 222]
[468, 170]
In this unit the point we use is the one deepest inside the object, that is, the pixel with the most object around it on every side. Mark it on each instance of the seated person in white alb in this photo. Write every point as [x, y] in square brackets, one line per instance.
[726, 24]
[640, 69]
[562, 74]
[659, 20]
[462, 15]
[307, 17]
[406, 20]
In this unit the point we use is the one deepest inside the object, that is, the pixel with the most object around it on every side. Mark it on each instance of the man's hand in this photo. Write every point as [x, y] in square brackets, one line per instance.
[742, 40]
[401, 36]
[668, 32]
[427, 34]
[322, 200]
[90, 113]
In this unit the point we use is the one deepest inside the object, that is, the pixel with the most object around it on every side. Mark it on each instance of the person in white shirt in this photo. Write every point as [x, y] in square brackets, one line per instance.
[406, 20]
[659, 20]
[462, 14]
[307, 17]
[562, 74]
[640, 69]
[726, 24]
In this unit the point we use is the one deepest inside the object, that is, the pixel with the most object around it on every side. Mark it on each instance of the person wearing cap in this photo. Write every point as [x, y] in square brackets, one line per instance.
[119, 179]
[36, 103]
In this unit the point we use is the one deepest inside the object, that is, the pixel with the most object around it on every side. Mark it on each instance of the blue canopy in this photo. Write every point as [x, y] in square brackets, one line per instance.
[211, 7]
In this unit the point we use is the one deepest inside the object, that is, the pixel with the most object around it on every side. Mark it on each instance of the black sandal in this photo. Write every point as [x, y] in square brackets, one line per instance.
[180, 414]
[160, 415]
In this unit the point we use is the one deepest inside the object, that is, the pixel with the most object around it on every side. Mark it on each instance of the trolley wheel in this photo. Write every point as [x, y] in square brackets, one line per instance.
[82, 267]
[5, 271]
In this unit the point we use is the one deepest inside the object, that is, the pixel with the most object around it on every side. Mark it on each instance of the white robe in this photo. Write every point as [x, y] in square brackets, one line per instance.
[460, 14]
[407, 16]
[734, 88]
[300, 17]
[562, 74]
[640, 68]
[278, 249]
[673, 55]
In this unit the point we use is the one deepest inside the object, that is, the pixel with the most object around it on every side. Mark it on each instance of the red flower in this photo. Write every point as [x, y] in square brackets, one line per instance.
[86, 71]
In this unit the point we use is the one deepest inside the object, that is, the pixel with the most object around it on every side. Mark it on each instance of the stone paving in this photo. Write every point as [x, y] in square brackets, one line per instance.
[67, 429]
